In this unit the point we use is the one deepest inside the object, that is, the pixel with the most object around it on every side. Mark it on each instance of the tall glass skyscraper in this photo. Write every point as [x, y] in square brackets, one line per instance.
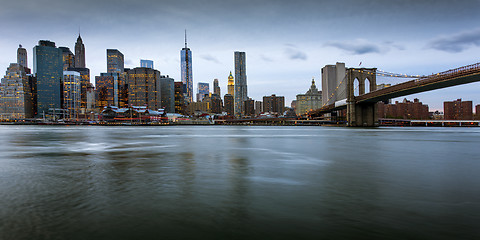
[48, 68]
[240, 83]
[115, 61]
[186, 66]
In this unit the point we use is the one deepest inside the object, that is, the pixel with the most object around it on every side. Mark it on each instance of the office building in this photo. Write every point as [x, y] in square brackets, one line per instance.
[48, 69]
[79, 53]
[274, 104]
[458, 110]
[115, 61]
[146, 63]
[84, 83]
[216, 87]
[202, 89]
[71, 93]
[332, 77]
[241, 94]
[215, 103]
[108, 90]
[68, 58]
[16, 97]
[186, 67]
[144, 88]
[22, 57]
[180, 102]
[167, 89]
[229, 102]
[309, 101]
[231, 84]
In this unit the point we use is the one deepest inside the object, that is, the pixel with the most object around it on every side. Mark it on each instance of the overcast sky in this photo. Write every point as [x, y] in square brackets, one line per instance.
[286, 42]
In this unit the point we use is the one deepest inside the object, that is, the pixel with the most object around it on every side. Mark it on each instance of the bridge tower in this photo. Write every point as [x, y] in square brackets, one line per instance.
[362, 114]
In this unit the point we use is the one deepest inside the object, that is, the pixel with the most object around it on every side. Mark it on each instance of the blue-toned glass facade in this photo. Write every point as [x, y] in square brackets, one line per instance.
[48, 68]
[187, 77]
[146, 63]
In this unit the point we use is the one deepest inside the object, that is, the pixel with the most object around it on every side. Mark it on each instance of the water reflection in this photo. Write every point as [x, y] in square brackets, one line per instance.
[238, 182]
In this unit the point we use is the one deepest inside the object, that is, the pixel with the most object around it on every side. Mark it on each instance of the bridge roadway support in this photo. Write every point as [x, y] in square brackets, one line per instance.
[362, 115]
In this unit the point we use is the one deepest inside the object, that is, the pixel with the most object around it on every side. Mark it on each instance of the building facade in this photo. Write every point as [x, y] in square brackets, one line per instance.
[332, 77]
[231, 85]
[229, 102]
[241, 94]
[249, 106]
[167, 89]
[216, 87]
[84, 83]
[22, 56]
[79, 53]
[180, 102]
[404, 110]
[16, 97]
[309, 101]
[258, 107]
[115, 61]
[458, 110]
[146, 63]
[144, 88]
[68, 58]
[71, 93]
[48, 69]
[186, 67]
[202, 89]
[108, 89]
[274, 104]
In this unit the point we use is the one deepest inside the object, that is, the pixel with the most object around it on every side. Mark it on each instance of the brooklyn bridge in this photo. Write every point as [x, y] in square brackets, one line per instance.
[359, 93]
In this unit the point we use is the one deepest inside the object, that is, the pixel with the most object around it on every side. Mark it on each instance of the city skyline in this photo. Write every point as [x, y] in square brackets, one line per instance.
[287, 43]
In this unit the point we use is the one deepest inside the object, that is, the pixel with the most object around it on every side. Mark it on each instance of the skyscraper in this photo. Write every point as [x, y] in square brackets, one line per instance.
[144, 88]
[22, 56]
[71, 92]
[146, 63]
[167, 89]
[16, 99]
[186, 66]
[115, 61]
[203, 88]
[216, 88]
[240, 83]
[108, 89]
[68, 58]
[231, 85]
[79, 53]
[48, 68]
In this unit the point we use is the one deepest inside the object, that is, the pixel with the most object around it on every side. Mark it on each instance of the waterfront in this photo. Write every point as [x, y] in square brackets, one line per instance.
[238, 182]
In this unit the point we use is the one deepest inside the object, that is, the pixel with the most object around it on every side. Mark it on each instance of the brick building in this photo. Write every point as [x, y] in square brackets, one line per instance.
[458, 110]
[404, 110]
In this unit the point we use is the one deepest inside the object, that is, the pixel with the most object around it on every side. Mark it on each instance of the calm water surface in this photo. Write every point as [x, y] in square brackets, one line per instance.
[212, 182]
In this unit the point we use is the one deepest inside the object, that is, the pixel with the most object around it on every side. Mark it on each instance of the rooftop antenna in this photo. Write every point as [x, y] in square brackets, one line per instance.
[185, 38]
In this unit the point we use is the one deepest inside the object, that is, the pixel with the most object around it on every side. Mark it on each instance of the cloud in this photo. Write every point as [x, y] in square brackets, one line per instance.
[358, 47]
[209, 58]
[295, 54]
[456, 42]
[265, 58]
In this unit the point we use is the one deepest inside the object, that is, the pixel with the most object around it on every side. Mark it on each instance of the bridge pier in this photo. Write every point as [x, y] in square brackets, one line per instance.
[362, 115]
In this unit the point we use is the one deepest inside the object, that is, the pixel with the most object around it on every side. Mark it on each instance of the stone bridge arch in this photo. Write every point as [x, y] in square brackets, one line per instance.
[365, 114]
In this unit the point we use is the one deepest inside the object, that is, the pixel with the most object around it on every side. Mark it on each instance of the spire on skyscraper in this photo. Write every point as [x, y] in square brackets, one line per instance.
[185, 38]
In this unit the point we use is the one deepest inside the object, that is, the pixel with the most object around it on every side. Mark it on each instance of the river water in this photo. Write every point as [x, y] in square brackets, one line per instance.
[239, 182]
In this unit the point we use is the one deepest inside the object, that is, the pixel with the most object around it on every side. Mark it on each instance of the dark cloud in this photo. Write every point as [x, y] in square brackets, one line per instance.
[358, 47]
[456, 42]
[295, 54]
[209, 58]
